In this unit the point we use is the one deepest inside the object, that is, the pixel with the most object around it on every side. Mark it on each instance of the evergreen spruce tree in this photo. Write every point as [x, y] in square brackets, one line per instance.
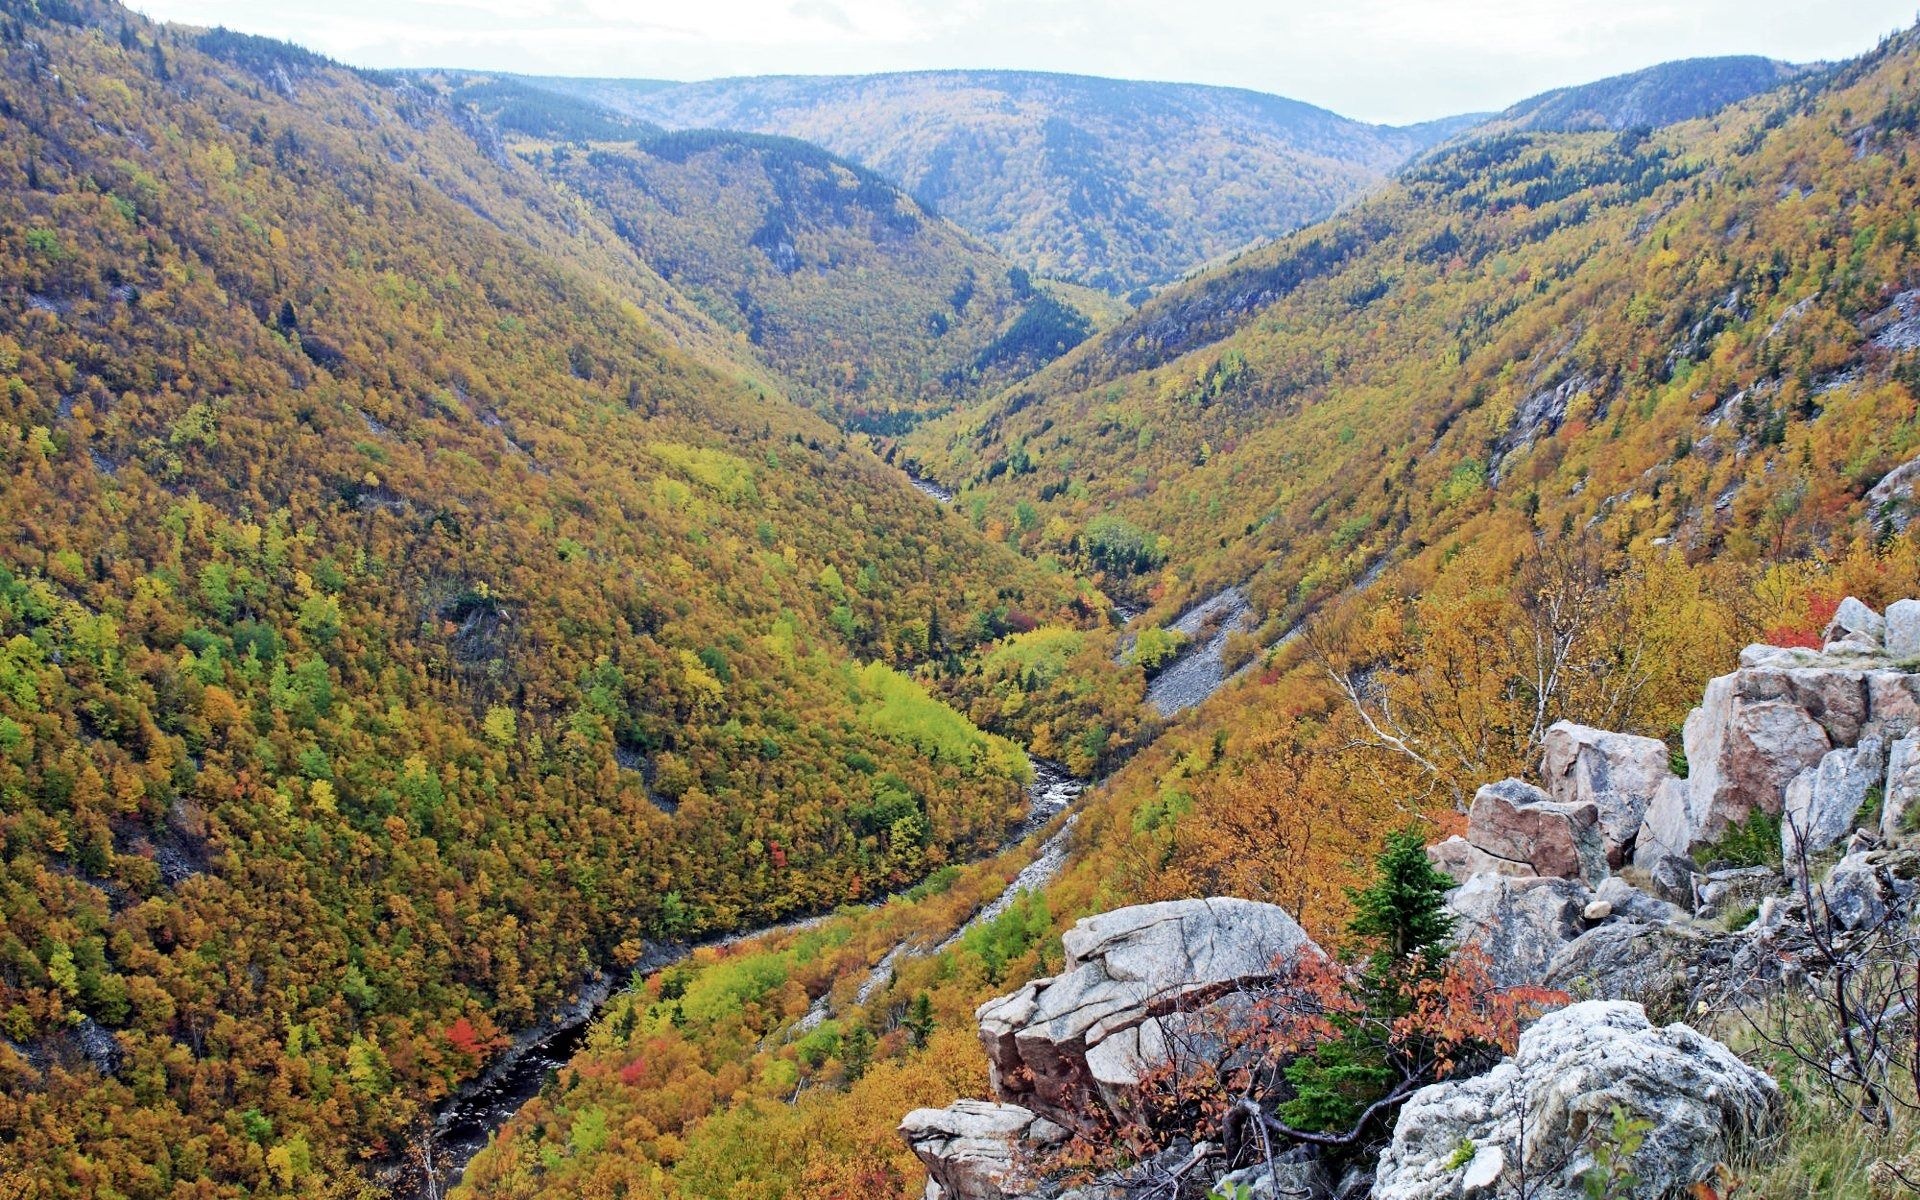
[919, 1020]
[1402, 916]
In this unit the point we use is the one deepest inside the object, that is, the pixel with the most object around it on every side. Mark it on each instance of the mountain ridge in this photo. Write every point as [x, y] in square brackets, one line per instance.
[1267, 163]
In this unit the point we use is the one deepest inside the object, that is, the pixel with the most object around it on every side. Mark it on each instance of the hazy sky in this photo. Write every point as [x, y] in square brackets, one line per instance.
[1381, 60]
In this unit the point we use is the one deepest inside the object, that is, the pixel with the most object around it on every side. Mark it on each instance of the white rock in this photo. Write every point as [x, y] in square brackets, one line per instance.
[1903, 785]
[1855, 623]
[1572, 1067]
[1489, 1163]
[1062, 1046]
[1902, 635]
[1618, 773]
[1597, 910]
[1822, 801]
[972, 1149]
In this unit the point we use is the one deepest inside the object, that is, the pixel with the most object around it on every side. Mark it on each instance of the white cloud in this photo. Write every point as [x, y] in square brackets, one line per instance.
[1393, 60]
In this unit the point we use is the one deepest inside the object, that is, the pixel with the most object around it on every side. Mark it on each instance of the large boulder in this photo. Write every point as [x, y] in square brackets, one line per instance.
[1754, 732]
[1518, 822]
[1626, 959]
[1060, 1046]
[973, 1150]
[1618, 773]
[1903, 786]
[1532, 1117]
[1520, 924]
[1855, 627]
[1902, 637]
[1822, 801]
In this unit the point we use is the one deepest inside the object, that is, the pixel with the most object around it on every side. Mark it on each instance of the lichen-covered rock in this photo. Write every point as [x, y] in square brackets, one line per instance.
[1518, 822]
[1622, 959]
[1520, 924]
[1821, 803]
[1853, 895]
[972, 1149]
[1618, 773]
[1064, 1045]
[1671, 878]
[1570, 1070]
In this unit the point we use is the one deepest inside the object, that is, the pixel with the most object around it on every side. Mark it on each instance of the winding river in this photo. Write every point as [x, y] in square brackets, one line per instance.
[466, 1121]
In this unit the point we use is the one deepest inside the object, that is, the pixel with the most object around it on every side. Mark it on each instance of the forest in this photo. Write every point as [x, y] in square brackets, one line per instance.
[459, 547]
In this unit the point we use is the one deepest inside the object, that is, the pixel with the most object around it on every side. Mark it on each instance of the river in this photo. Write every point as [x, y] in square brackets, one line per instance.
[466, 1122]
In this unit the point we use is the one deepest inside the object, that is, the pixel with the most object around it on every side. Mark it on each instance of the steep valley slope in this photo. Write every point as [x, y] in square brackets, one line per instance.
[412, 604]
[872, 308]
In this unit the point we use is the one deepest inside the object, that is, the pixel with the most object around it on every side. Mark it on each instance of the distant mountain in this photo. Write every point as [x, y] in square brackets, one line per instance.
[1106, 182]
[871, 307]
[1661, 95]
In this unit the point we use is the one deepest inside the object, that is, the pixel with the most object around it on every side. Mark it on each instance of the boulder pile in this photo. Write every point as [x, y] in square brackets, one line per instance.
[1608, 882]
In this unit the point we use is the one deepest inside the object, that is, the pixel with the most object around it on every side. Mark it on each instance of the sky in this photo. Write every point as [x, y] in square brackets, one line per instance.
[1378, 60]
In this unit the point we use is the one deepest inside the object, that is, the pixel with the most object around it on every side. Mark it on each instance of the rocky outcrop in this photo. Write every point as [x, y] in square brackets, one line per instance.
[1646, 961]
[1093, 1030]
[1744, 746]
[974, 1150]
[1618, 773]
[1902, 786]
[1520, 823]
[1520, 924]
[1822, 801]
[1531, 1117]
[1759, 731]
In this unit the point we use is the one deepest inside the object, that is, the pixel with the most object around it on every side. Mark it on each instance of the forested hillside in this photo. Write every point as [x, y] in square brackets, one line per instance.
[1551, 428]
[1681, 335]
[395, 624]
[1111, 183]
[1660, 95]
